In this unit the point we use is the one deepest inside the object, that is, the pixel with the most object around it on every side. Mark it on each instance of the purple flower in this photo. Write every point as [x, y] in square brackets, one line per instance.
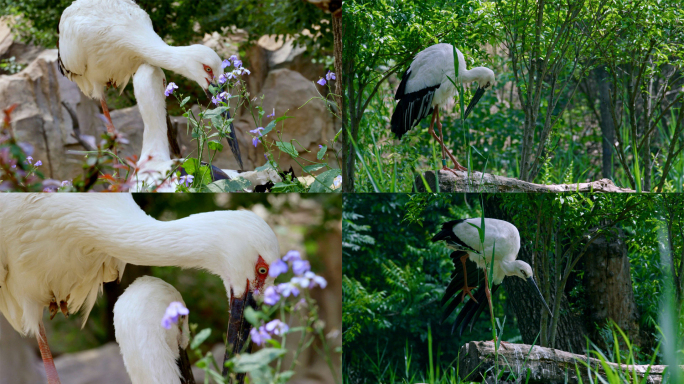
[272, 114]
[66, 183]
[224, 96]
[39, 163]
[337, 181]
[271, 296]
[255, 139]
[320, 146]
[245, 70]
[231, 75]
[259, 335]
[237, 63]
[277, 268]
[233, 58]
[292, 255]
[299, 267]
[173, 312]
[321, 81]
[187, 179]
[266, 156]
[276, 327]
[310, 280]
[29, 160]
[222, 79]
[225, 63]
[330, 76]
[170, 88]
[216, 99]
[287, 289]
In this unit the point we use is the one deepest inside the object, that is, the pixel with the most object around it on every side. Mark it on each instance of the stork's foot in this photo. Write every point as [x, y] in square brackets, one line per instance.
[108, 119]
[445, 168]
[466, 291]
[53, 308]
[501, 343]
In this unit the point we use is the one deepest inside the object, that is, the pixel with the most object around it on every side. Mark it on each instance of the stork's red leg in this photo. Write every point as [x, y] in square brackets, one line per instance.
[457, 165]
[466, 289]
[441, 143]
[50, 370]
[105, 110]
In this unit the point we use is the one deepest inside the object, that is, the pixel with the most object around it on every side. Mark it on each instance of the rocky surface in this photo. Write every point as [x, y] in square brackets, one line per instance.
[281, 72]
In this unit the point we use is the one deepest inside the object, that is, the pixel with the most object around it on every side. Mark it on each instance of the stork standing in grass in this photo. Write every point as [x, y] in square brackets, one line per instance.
[103, 42]
[425, 87]
[152, 354]
[500, 247]
[56, 251]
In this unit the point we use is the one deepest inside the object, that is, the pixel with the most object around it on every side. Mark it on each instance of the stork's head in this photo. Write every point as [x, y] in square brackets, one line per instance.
[202, 64]
[524, 271]
[485, 80]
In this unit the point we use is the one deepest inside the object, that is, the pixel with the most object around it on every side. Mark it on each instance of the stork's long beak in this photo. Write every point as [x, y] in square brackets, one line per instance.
[473, 101]
[238, 329]
[185, 367]
[532, 283]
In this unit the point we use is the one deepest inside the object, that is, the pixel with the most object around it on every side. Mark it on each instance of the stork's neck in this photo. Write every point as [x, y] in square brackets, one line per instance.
[157, 53]
[466, 76]
[508, 267]
[148, 84]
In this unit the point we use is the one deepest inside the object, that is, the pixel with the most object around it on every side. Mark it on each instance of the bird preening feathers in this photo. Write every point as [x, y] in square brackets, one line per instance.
[427, 86]
[477, 261]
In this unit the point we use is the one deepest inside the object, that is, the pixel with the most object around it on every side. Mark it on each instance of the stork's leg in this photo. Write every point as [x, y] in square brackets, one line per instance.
[435, 117]
[466, 289]
[456, 163]
[105, 110]
[50, 370]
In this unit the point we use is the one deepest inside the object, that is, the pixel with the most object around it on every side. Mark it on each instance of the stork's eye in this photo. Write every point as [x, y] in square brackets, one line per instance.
[262, 270]
[207, 68]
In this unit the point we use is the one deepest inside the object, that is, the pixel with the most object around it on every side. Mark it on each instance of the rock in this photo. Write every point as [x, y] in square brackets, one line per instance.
[103, 365]
[311, 125]
[41, 120]
[18, 360]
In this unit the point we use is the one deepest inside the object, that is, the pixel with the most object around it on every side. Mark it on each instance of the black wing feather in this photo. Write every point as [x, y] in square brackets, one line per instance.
[447, 234]
[412, 108]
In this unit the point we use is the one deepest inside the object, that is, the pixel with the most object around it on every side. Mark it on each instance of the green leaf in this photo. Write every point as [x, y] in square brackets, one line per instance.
[235, 185]
[215, 146]
[313, 167]
[185, 101]
[322, 152]
[200, 338]
[265, 167]
[287, 148]
[191, 165]
[254, 317]
[205, 174]
[254, 361]
[324, 181]
[273, 123]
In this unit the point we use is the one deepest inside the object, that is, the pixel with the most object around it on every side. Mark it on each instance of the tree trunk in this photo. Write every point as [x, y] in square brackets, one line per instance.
[570, 333]
[545, 365]
[337, 36]
[608, 290]
[488, 183]
[607, 124]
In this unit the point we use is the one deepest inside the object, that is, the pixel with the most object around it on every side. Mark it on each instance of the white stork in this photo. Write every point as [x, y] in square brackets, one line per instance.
[425, 87]
[155, 159]
[58, 250]
[103, 42]
[151, 353]
[470, 255]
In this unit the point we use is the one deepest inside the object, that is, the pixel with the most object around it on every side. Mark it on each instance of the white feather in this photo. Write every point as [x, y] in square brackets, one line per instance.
[68, 245]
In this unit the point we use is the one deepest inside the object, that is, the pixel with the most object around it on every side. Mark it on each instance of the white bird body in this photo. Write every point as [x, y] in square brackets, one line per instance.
[435, 65]
[104, 42]
[66, 246]
[150, 351]
[502, 241]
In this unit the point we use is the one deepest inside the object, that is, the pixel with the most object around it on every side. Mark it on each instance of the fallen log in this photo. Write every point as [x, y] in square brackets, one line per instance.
[542, 365]
[479, 182]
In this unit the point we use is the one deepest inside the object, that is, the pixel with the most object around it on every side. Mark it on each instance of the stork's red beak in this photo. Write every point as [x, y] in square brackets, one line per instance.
[238, 329]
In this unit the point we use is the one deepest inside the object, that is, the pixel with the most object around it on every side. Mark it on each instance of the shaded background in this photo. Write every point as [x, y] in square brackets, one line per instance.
[310, 224]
